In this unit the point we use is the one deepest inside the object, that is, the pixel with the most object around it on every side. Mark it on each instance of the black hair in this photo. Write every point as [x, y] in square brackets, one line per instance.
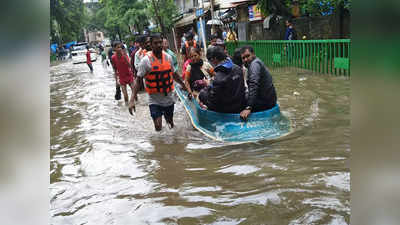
[155, 35]
[197, 50]
[216, 52]
[213, 36]
[189, 36]
[141, 39]
[87, 47]
[246, 47]
[115, 43]
[237, 58]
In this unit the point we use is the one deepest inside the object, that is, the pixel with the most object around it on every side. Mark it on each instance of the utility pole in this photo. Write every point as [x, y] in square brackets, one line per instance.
[203, 36]
[212, 16]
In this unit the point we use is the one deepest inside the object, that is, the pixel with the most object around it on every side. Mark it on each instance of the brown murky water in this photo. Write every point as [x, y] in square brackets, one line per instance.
[108, 167]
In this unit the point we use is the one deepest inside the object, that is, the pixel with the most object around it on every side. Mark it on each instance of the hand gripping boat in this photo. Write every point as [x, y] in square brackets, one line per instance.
[264, 125]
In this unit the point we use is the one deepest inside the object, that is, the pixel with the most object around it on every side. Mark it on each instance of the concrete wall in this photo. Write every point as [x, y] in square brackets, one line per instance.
[324, 27]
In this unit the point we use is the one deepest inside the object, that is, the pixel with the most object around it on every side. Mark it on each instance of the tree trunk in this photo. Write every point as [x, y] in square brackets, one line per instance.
[119, 34]
[158, 16]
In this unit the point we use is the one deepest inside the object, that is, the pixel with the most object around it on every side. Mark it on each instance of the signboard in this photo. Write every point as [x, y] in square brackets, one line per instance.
[199, 12]
[254, 13]
[199, 30]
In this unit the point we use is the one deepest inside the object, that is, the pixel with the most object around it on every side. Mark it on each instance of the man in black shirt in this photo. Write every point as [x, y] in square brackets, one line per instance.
[262, 94]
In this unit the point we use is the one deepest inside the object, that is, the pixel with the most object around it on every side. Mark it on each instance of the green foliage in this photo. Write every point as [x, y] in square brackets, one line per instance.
[66, 20]
[308, 7]
[166, 10]
[113, 17]
[137, 16]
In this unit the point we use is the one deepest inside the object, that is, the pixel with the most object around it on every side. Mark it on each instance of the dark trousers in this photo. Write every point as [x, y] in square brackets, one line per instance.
[90, 67]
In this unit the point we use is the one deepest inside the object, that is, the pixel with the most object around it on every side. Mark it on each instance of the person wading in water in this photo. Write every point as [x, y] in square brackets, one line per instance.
[158, 71]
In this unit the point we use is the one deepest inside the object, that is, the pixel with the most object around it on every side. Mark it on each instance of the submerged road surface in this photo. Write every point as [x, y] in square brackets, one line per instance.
[108, 167]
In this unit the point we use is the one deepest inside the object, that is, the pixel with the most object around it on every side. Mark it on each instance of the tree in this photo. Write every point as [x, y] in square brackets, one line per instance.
[66, 20]
[137, 16]
[308, 7]
[164, 11]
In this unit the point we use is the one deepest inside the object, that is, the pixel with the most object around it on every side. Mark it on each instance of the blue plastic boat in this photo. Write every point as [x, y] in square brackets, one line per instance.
[265, 125]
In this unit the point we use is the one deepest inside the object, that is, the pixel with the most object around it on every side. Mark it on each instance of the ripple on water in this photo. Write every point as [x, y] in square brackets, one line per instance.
[108, 167]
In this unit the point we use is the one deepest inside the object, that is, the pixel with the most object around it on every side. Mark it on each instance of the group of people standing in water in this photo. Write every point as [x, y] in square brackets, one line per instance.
[238, 84]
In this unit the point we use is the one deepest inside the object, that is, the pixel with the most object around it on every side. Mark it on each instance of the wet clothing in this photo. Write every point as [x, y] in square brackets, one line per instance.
[160, 78]
[103, 56]
[88, 59]
[157, 111]
[226, 92]
[122, 68]
[110, 54]
[90, 67]
[262, 94]
[144, 68]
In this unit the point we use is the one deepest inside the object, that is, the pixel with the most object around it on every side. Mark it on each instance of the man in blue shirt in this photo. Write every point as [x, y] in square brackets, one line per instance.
[289, 35]
[290, 31]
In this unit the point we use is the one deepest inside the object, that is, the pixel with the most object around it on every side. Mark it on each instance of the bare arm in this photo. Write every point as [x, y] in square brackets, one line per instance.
[115, 73]
[187, 85]
[178, 79]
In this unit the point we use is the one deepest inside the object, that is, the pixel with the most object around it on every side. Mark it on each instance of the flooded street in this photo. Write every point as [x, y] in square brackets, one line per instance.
[108, 167]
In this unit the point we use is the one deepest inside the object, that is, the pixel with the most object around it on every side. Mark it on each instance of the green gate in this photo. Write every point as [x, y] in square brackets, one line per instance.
[330, 56]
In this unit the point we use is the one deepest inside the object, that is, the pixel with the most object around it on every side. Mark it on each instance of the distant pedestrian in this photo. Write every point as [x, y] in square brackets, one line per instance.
[131, 47]
[122, 70]
[290, 33]
[88, 59]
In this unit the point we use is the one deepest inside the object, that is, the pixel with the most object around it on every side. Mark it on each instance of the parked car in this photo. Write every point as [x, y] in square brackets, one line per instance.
[78, 53]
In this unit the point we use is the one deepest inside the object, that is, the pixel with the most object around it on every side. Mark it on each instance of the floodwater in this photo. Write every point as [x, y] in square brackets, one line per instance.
[108, 167]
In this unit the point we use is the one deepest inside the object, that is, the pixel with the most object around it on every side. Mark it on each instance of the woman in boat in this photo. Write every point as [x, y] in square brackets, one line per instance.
[197, 73]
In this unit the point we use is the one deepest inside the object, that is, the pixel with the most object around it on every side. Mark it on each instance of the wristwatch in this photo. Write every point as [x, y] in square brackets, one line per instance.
[248, 108]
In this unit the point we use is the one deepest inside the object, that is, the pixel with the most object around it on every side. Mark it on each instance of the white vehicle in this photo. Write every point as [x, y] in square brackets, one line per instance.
[78, 53]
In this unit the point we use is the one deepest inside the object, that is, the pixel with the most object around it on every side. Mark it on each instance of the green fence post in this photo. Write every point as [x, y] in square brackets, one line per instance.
[348, 56]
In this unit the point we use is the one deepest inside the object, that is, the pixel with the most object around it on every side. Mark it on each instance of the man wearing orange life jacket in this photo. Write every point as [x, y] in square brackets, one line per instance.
[158, 71]
[190, 42]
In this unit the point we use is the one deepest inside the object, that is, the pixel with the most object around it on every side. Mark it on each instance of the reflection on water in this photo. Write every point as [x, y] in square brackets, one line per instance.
[108, 167]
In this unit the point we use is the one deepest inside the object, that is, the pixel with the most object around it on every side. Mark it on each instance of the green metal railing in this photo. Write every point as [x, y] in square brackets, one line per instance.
[322, 56]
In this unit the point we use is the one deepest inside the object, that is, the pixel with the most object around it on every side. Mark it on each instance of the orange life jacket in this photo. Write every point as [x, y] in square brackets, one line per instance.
[194, 44]
[187, 48]
[160, 79]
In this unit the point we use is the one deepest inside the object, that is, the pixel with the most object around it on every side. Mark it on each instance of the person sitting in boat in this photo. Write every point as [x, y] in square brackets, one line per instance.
[198, 72]
[226, 92]
[261, 90]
